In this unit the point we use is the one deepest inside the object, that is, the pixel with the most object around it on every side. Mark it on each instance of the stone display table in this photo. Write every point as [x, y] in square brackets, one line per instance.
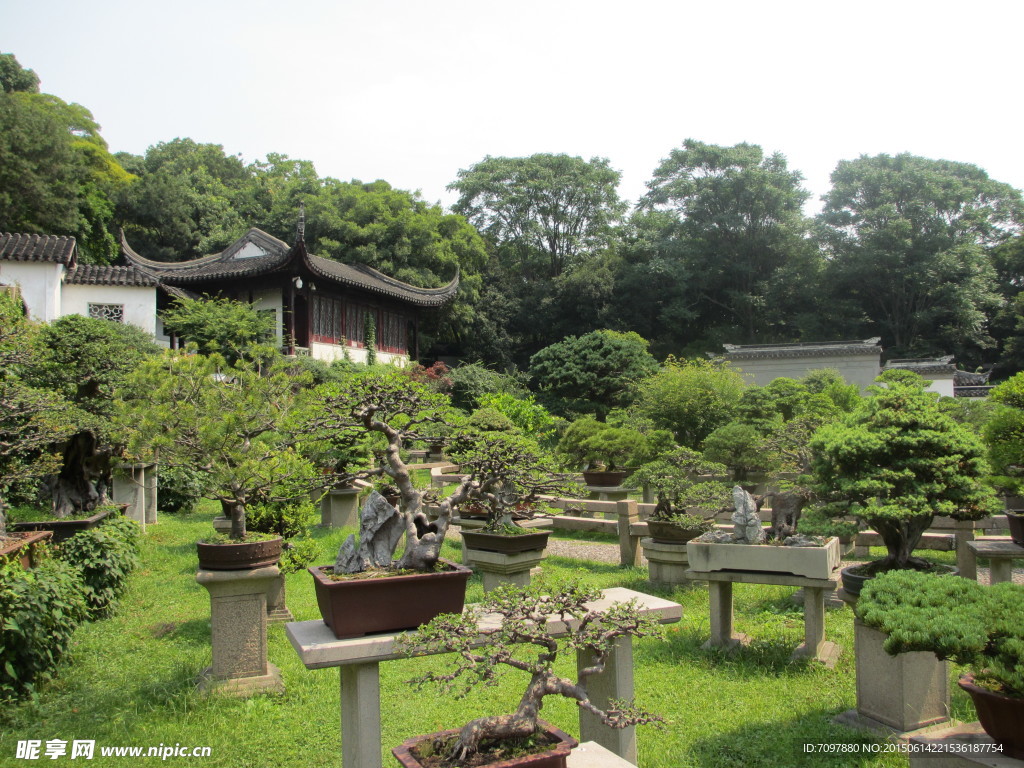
[359, 662]
[238, 619]
[667, 563]
[720, 588]
[956, 743]
[135, 485]
[608, 493]
[590, 754]
[1001, 552]
[339, 508]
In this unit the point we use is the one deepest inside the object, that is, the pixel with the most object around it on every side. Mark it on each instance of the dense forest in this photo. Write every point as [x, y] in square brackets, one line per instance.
[925, 253]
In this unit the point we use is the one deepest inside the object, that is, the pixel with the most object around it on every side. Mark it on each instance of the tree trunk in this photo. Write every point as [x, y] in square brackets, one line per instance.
[523, 722]
[786, 509]
[901, 538]
[235, 511]
[81, 484]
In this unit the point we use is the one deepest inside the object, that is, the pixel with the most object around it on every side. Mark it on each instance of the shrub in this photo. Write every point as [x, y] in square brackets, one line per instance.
[179, 488]
[298, 554]
[39, 611]
[287, 519]
[106, 556]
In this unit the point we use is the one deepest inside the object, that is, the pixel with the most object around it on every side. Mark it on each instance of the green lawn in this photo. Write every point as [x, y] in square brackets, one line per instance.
[129, 680]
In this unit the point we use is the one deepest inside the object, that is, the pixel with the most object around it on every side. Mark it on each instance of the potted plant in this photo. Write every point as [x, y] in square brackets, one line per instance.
[896, 462]
[402, 411]
[602, 451]
[979, 626]
[687, 502]
[240, 427]
[1002, 434]
[517, 617]
[25, 520]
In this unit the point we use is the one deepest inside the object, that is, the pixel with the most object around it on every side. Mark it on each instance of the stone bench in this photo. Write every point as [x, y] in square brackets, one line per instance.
[1001, 552]
[358, 660]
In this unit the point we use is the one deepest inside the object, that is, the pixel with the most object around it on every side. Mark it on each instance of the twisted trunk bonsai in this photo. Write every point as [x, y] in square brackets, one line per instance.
[521, 616]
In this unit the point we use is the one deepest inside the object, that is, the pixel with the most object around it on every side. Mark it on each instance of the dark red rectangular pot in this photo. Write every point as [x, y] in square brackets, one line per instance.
[23, 547]
[65, 529]
[357, 607]
[497, 542]
[1001, 716]
[1015, 521]
[553, 758]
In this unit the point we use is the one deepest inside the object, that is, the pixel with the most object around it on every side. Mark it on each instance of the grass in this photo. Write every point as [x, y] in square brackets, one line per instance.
[130, 679]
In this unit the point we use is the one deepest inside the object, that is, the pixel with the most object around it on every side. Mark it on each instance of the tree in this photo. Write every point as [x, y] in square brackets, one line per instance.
[215, 325]
[898, 461]
[691, 398]
[906, 241]
[84, 360]
[240, 426]
[740, 233]
[56, 175]
[543, 213]
[14, 77]
[593, 373]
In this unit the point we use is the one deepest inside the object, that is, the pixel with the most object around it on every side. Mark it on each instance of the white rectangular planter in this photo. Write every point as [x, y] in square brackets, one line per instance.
[810, 562]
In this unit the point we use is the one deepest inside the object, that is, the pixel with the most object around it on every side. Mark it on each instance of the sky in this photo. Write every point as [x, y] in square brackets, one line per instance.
[412, 92]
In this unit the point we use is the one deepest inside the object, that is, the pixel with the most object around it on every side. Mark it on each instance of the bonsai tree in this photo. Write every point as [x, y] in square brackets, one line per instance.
[33, 422]
[517, 616]
[589, 443]
[681, 484]
[1004, 435]
[495, 469]
[958, 619]
[896, 462]
[240, 426]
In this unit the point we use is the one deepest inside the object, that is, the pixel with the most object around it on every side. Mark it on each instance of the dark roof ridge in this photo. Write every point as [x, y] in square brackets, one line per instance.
[57, 249]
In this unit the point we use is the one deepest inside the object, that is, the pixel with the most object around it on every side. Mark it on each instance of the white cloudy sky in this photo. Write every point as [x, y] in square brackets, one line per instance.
[413, 91]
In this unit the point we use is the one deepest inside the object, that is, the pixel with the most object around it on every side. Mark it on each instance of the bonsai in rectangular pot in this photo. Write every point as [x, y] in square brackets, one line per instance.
[958, 619]
[519, 616]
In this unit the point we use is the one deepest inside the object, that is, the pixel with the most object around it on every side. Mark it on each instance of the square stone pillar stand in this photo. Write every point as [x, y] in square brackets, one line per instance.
[339, 508]
[668, 563]
[277, 609]
[895, 694]
[238, 617]
[135, 485]
[499, 568]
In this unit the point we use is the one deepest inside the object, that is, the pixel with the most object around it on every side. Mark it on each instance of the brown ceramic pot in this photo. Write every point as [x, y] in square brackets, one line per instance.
[604, 479]
[239, 556]
[503, 543]
[1016, 522]
[357, 607]
[1002, 717]
[65, 529]
[552, 758]
[23, 547]
[666, 532]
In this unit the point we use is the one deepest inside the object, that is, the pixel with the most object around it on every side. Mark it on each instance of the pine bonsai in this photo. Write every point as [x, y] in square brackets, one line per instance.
[898, 461]
[517, 616]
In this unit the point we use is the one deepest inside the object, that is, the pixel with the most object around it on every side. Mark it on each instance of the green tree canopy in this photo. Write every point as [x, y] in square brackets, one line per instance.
[543, 213]
[14, 77]
[739, 232]
[592, 373]
[906, 239]
[219, 325]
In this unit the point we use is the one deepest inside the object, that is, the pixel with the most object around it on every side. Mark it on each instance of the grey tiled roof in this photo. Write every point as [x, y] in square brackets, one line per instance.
[91, 274]
[924, 365]
[257, 253]
[56, 249]
[808, 349]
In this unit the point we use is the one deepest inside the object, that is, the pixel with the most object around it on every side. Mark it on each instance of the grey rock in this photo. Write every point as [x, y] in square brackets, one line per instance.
[801, 540]
[380, 529]
[716, 537]
[747, 521]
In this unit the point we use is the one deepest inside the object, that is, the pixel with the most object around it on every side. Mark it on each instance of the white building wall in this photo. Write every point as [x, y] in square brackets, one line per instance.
[139, 303]
[272, 299]
[941, 383]
[331, 352]
[40, 284]
[855, 369]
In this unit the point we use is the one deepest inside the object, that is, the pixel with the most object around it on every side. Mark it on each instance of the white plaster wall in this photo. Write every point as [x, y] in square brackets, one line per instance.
[331, 352]
[855, 369]
[139, 303]
[272, 298]
[941, 383]
[40, 284]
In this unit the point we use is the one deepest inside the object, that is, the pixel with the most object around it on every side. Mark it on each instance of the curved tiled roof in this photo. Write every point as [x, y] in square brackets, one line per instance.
[810, 349]
[258, 253]
[57, 249]
[92, 274]
[931, 365]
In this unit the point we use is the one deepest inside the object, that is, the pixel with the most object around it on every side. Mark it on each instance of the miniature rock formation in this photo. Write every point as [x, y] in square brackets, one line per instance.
[380, 528]
[748, 528]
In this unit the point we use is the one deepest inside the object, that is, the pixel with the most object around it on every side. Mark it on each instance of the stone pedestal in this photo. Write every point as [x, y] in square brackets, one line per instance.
[339, 508]
[135, 485]
[667, 563]
[901, 693]
[277, 608]
[1000, 551]
[222, 524]
[498, 568]
[608, 493]
[238, 618]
